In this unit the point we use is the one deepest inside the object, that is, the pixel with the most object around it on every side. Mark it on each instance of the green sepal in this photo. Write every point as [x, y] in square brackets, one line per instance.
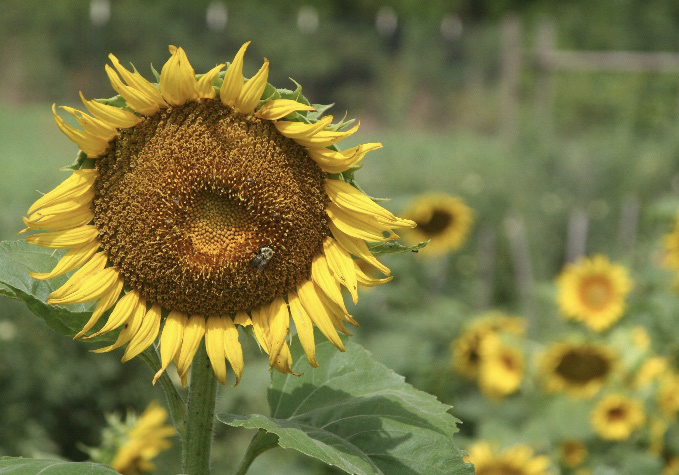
[115, 101]
[393, 247]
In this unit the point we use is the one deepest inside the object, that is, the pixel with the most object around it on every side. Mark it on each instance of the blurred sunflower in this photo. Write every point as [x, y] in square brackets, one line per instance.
[572, 452]
[441, 218]
[465, 349]
[668, 395]
[616, 417]
[516, 460]
[579, 369]
[501, 367]
[653, 369]
[205, 203]
[593, 291]
[671, 244]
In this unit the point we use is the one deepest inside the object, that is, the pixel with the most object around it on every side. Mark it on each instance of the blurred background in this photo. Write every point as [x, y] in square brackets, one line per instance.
[554, 121]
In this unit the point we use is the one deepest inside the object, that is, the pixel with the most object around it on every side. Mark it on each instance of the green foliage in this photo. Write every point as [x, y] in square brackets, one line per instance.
[357, 415]
[20, 466]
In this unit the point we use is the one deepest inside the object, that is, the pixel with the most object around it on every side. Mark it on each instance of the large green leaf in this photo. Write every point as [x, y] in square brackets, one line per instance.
[358, 415]
[22, 466]
[17, 259]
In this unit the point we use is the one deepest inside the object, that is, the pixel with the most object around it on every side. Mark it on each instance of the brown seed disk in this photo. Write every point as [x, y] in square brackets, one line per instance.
[185, 199]
[440, 220]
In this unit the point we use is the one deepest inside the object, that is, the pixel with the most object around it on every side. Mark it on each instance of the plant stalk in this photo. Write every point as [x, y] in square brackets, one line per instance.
[200, 417]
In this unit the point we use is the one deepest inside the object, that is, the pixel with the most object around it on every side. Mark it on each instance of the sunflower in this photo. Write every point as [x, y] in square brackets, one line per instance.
[206, 203]
[579, 369]
[653, 369]
[593, 291]
[616, 417]
[671, 244]
[465, 349]
[572, 452]
[441, 218]
[516, 460]
[143, 442]
[501, 367]
[668, 395]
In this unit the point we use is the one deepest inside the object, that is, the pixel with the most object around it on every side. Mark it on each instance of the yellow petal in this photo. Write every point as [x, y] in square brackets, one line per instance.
[366, 281]
[342, 266]
[136, 99]
[260, 324]
[125, 307]
[73, 258]
[204, 87]
[138, 82]
[349, 198]
[322, 277]
[301, 130]
[193, 334]
[326, 138]
[233, 79]
[304, 326]
[252, 90]
[358, 225]
[336, 162]
[233, 349]
[283, 360]
[91, 267]
[92, 145]
[60, 222]
[242, 319]
[146, 335]
[171, 339]
[91, 288]
[214, 345]
[76, 203]
[75, 237]
[279, 323]
[178, 79]
[108, 299]
[358, 248]
[77, 184]
[279, 108]
[114, 116]
[308, 295]
[129, 331]
[92, 125]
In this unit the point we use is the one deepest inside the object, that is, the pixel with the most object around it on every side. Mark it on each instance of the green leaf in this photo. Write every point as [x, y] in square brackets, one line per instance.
[22, 466]
[356, 414]
[393, 247]
[17, 259]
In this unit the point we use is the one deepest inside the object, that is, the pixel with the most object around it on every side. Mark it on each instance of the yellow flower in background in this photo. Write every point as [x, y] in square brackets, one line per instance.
[501, 367]
[593, 291]
[573, 453]
[671, 244]
[516, 460]
[579, 369]
[147, 437]
[668, 395]
[671, 465]
[441, 218]
[651, 370]
[465, 349]
[200, 205]
[616, 417]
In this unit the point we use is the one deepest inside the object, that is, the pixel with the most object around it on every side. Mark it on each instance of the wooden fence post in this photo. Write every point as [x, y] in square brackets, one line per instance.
[544, 90]
[510, 76]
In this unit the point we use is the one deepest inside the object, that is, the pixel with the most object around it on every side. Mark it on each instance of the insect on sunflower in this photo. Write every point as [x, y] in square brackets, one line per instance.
[181, 188]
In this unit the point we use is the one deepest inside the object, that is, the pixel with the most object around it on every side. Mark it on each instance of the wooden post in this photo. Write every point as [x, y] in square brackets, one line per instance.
[510, 76]
[523, 269]
[544, 91]
[629, 219]
[576, 240]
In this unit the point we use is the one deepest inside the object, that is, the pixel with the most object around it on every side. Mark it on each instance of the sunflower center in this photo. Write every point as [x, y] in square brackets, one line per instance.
[596, 292]
[581, 367]
[439, 221]
[188, 197]
[616, 414]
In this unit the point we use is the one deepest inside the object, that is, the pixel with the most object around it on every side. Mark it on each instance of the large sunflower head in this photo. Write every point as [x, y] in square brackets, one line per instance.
[593, 291]
[441, 218]
[617, 416]
[202, 203]
[515, 460]
[580, 369]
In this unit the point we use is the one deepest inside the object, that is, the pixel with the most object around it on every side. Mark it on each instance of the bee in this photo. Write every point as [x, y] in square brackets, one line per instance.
[261, 259]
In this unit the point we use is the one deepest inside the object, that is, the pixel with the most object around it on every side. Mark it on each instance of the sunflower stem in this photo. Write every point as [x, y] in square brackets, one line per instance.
[174, 400]
[200, 416]
[261, 442]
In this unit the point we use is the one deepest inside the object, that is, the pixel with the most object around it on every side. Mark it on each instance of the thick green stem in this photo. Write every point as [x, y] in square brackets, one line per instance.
[200, 416]
[174, 400]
